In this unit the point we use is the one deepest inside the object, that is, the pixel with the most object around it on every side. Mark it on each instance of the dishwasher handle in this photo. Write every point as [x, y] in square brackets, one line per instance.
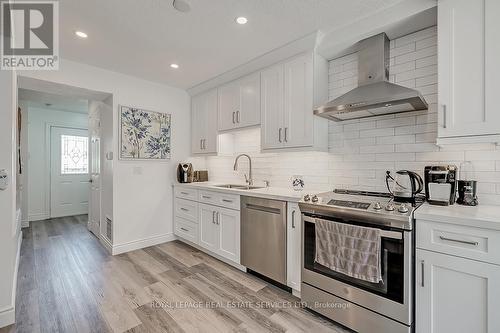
[263, 208]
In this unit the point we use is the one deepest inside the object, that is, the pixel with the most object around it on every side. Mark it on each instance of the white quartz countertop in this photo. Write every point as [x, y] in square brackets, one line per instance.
[481, 216]
[276, 193]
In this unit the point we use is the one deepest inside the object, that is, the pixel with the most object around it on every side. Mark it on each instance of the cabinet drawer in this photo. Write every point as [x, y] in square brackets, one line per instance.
[464, 241]
[186, 209]
[186, 229]
[186, 193]
[220, 199]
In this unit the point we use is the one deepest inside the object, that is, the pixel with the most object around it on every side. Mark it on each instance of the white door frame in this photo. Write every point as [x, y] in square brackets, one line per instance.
[48, 152]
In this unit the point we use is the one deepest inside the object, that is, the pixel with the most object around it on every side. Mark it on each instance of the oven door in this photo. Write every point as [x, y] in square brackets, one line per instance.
[391, 297]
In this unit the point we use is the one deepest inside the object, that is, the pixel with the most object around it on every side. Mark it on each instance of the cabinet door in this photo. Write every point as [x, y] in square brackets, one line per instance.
[454, 294]
[298, 102]
[198, 123]
[228, 222]
[248, 113]
[208, 231]
[272, 107]
[467, 61]
[229, 103]
[293, 246]
[210, 143]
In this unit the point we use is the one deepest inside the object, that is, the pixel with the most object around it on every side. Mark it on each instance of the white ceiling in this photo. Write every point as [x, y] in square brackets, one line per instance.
[142, 38]
[52, 101]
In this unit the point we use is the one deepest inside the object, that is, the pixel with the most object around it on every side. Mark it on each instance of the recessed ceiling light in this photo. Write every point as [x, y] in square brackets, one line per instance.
[241, 20]
[181, 5]
[174, 66]
[81, 34]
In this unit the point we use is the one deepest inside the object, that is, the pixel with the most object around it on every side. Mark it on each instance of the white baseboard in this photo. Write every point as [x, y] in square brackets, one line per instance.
[142, 243]
[38, 217]
[106, 243]
[8, 315]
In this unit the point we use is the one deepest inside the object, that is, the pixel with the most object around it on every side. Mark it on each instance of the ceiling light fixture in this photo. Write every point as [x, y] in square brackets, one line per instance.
[241, 20]
[174, 66]
[81, 34]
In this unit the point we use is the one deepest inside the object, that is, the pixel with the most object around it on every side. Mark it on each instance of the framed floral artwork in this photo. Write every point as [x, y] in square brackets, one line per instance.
[144, 135]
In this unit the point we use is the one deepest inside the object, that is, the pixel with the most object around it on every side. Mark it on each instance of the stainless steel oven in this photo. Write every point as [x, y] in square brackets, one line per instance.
[387, 306]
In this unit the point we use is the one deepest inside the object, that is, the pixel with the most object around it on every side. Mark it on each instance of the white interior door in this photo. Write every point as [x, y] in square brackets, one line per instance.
[69, 171]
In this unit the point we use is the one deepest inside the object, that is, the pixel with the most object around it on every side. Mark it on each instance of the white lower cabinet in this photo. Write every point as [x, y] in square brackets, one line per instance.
[294, 251]
[220, 231]
[228, 224]
[208, 228]
[456, 294]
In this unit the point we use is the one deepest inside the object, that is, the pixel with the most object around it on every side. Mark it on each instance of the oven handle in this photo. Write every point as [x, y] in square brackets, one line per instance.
[383, 233]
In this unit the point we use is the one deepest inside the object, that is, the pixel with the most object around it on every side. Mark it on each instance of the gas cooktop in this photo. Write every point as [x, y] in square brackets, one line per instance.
[363, 206]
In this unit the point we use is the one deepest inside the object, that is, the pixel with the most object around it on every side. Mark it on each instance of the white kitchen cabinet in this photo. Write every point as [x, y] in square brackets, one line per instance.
[294, 251]
[289, 92]
[228, 223]
[239, 103]
[204, 123]
[208, 230]
[272, 92]
[468, 70]
[455, 294]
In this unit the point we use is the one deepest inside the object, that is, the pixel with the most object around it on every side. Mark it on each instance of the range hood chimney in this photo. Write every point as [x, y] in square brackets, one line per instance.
[375, 95]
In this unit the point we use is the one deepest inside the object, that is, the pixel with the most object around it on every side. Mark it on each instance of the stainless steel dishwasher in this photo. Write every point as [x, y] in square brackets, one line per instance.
[263, 237]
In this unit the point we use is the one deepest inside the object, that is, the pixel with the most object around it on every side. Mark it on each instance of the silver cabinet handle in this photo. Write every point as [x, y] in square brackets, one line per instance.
[217, 218]
[201, 144]
[238, 116]
[204, 144]
[286, 130]
[293, 219]
[184, 193]
[213, 217]
[206, 197]
[444, 115]
[184, 229]
[227, 200]
[459, 241]
[184, 209]
[279, 135]
[422, 264]
[233, 118]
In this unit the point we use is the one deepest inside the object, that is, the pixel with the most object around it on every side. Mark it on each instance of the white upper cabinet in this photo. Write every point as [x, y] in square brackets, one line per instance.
[468, 70]
[239, 103]
[289, 92]
[272, 90]
[204, 123]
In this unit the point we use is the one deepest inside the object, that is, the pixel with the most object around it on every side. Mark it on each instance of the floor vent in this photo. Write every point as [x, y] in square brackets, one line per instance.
[109, 229]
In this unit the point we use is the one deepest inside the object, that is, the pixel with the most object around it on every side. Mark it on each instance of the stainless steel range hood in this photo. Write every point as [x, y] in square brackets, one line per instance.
[375, 95]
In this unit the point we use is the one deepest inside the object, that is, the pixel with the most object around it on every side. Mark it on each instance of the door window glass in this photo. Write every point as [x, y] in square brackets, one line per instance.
[74, 154]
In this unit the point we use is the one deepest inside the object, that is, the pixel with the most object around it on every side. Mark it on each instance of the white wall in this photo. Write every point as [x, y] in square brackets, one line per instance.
[9, 230]
[360, 151]
[142, 192]
[37, 189]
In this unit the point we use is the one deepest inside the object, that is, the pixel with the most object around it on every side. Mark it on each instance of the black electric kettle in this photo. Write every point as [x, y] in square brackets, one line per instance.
[405, 186]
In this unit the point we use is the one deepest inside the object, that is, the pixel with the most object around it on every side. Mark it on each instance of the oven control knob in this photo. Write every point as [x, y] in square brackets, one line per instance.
[403, 208]
[314, 198]
[389, 207]
[377, 206]
[307, 197]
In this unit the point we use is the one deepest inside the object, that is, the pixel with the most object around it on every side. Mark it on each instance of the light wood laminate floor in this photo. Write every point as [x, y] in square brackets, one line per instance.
[68, 283]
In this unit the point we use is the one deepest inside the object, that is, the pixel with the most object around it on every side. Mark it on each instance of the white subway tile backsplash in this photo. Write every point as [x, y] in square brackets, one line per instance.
[361, 150]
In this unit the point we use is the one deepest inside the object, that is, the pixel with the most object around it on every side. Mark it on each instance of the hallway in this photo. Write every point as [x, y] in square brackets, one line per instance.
[68, 283]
